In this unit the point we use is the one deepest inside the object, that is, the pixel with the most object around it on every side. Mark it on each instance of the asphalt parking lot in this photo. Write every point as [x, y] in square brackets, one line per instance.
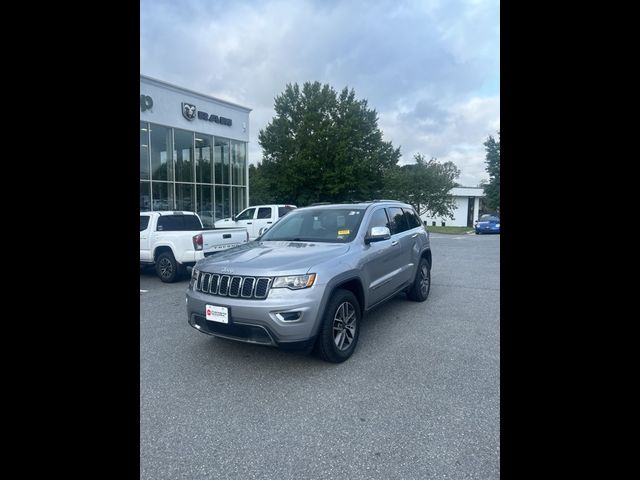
[420, 397]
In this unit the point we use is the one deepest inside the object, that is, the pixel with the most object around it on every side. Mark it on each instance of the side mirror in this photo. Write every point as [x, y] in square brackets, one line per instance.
[233, 218]
[378, 234]
[262, 230]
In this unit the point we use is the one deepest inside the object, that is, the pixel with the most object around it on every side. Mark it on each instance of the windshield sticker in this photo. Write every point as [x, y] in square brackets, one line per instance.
[344, 232]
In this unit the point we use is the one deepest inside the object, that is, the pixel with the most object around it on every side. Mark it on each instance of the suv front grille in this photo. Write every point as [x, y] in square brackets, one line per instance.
[233, 285]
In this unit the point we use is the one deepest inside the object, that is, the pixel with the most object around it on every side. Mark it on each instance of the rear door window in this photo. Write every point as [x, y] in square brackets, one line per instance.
[397, 220]
[144, 222]
[264, 212]
[170, 223]
[413, 220]
[282, 211]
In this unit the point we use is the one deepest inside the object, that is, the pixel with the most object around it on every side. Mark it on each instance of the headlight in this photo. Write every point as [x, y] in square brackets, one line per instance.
[294, 282]
[497, 225]
[194, 277]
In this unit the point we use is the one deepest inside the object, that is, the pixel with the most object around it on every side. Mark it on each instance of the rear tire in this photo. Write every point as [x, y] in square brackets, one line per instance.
[167, 268]
[340, 327]
[421, 287]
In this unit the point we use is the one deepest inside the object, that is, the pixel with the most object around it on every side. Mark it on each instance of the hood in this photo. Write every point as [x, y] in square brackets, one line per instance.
[272, 258]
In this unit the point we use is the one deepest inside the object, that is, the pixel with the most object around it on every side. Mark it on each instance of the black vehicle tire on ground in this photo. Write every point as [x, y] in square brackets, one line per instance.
[167, 268]
[340, 327]
[421, 287]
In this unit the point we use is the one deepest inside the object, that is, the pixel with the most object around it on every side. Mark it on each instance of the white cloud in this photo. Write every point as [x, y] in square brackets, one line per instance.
[420, 64]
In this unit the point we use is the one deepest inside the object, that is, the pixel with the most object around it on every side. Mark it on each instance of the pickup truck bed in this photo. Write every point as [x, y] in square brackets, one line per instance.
[174, 240]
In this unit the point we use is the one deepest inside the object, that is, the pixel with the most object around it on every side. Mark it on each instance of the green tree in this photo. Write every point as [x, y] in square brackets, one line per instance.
[259, 192]
[322, 146]
[492, 190]
[425, 185]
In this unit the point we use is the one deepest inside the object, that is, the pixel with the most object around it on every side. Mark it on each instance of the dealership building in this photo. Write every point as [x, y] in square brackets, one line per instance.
[193, 152]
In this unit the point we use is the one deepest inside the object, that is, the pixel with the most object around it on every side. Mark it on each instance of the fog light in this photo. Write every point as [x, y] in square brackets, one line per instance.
[289, 316]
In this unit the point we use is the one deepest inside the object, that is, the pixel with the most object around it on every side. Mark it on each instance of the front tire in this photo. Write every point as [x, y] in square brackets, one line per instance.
[421, 287]
[340, 327]
[168, 268]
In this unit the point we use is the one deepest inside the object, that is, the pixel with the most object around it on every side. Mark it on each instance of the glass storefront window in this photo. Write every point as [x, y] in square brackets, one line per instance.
[204, 158]
[144, 151]
[183, 155]
[160, 141]
[223, 207]
[205, 205]
[238, 162]
[239, 197]
[162, 196]
[190, 171]
[145, 197]
[221, 158]
[185, 199]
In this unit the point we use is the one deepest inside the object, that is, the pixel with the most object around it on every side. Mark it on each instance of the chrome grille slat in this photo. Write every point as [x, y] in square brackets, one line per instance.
[224, 285]
[213, 285]
[206, 278]
[234, 286]
[248, 281]
[256, 288]
[262, 287]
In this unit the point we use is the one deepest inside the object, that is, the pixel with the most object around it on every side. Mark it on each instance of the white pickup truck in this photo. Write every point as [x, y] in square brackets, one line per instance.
[255, 218]
[174, 240]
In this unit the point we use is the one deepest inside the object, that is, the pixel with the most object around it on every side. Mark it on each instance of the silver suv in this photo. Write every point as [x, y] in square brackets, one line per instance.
[308, 280]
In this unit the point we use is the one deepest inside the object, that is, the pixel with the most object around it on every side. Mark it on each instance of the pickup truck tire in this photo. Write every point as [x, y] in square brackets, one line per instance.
[421, 287]
[167, 268]
[340, 328]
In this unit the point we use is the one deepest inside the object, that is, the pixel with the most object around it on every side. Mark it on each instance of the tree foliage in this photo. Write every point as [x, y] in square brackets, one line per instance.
[321, 146]
[492, 189]
[425, 185]
[259, 189]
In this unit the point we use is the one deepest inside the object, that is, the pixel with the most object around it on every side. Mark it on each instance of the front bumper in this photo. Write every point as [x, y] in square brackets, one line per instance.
[255, 321]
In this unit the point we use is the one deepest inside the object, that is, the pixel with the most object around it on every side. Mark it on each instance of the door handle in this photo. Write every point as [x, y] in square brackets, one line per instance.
[269, 222]
[394, 242]
[249, 223]
[414, 235]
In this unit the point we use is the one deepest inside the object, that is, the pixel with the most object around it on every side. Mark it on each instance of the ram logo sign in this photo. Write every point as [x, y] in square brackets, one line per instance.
[188, 111]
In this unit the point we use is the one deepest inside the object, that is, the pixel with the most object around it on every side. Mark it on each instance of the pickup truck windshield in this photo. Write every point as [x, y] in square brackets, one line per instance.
[317, 225]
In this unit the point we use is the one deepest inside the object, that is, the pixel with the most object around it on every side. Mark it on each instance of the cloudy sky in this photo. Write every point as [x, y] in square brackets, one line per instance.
[430, 68]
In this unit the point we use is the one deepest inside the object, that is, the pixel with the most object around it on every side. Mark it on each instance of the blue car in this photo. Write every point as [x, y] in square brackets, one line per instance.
[487, 224]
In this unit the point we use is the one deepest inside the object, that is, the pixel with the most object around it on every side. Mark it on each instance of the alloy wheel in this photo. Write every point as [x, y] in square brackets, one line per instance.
[344, 326]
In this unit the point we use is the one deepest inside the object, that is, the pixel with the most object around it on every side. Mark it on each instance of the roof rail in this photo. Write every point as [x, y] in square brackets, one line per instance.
[386, 200]
[320, 203]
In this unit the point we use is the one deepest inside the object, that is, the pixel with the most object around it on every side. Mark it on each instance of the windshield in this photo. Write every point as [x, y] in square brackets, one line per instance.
[489, 219]
[338, 225]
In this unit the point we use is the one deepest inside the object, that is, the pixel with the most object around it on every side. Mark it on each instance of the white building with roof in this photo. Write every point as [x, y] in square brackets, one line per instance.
[466, 211]
[193, 152]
